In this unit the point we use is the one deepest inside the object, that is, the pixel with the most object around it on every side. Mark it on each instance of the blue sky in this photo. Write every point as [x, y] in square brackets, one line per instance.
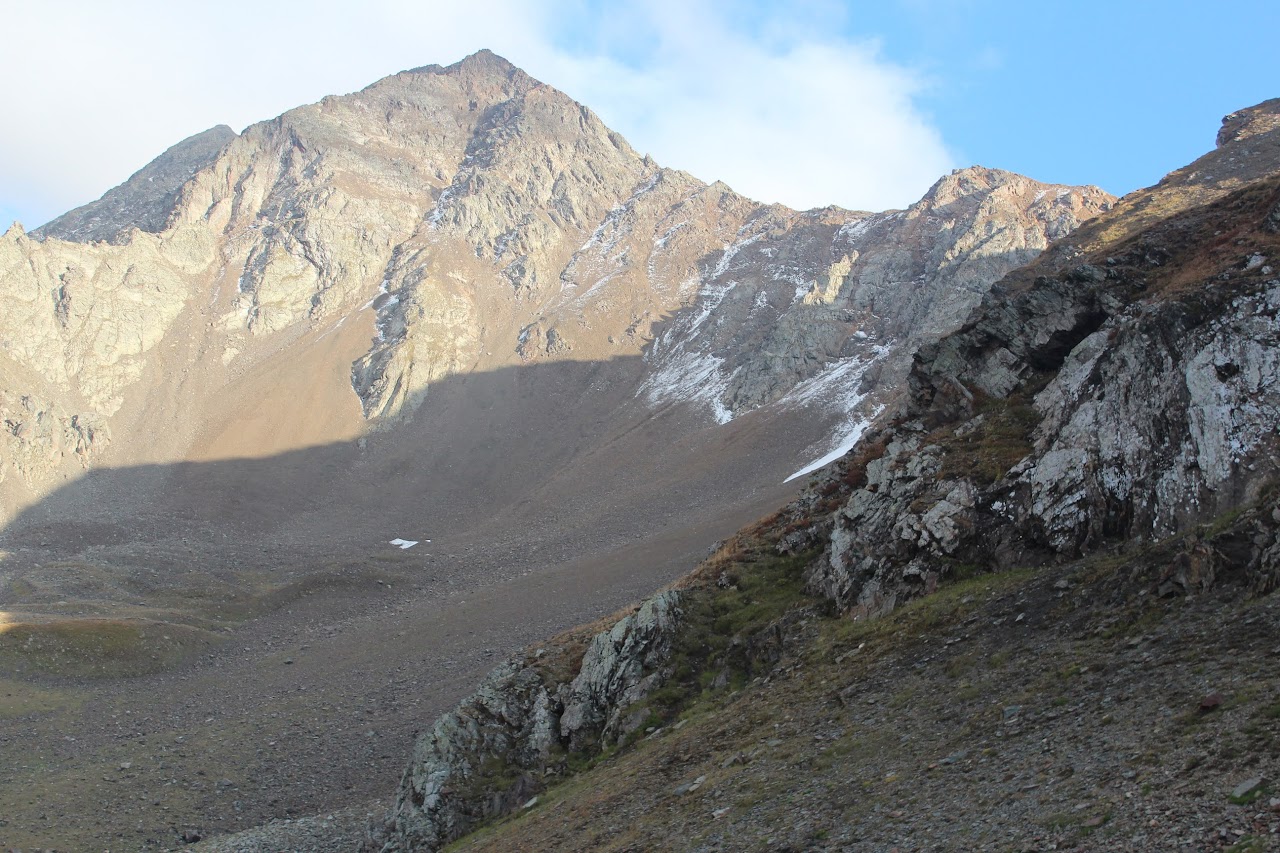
[1112, 93]
[807, 103]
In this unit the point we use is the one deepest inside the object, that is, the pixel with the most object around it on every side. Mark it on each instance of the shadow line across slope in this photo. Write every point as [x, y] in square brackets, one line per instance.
[551, 495]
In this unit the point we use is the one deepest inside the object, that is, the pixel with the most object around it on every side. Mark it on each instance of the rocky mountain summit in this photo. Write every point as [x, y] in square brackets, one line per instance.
[448, 222]
[146, 200]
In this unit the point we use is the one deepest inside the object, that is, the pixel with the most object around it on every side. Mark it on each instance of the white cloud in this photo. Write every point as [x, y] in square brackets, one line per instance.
[95, 90]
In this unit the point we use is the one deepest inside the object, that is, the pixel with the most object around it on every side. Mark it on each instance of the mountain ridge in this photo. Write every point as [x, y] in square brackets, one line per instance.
[146, 200]
[264, 248]
[453, 306]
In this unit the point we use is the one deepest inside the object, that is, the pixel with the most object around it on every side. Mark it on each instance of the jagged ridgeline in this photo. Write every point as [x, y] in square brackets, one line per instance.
[582, 320]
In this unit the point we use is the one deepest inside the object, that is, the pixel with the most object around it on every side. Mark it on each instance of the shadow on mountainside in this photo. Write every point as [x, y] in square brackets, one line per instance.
[275, 640]
[269, 635]
[506, 472]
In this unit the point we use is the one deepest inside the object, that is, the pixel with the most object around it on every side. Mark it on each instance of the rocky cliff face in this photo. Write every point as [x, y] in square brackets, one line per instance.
[772, 322]
[492, 753]
[80, 324]
[1122, 394]
[1092, 401]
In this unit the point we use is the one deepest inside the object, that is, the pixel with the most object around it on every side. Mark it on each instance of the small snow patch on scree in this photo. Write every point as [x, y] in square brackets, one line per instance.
[836, 387]
[846, 443]
[405, 544]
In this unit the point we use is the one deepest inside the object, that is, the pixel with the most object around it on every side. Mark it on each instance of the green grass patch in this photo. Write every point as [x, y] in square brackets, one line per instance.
[18, 699]
[960, 664]
[1222, 523]
[721, 622]
[1000, 440]
[950, 605]
[99, 648]
[20, 588]
[1269, 712]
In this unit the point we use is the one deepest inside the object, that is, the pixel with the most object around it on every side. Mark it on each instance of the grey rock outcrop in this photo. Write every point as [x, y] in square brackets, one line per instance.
[506, 729]
[621, 667]
[1127, 394]
[1194, 437]
[494, 750]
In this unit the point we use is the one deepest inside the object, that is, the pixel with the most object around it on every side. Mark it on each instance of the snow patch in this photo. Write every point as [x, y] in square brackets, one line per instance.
[584, 298]
[684, 374]
[690, 377]
[851, 231]
[730, 252]
[713, 292]
[438, 213]
[661, 242]
[383, 288]
[844, 443]
[335, 327]
[611, 218]
[836, 388]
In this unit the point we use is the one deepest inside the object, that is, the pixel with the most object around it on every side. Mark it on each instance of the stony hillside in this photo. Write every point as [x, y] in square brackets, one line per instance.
[1033, 609]
[452, 308]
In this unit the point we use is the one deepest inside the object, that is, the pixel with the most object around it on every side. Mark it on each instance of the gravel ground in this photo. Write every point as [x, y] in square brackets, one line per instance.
[309, 708]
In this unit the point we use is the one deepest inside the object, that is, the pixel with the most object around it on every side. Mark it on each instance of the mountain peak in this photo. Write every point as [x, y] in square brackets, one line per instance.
[485, 58]
[147, 198]
[483, 62]
[976, 181]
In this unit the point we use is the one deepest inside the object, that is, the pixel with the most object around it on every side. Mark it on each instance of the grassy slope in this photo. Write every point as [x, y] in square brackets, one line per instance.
[1006, 712]
[1059, 706]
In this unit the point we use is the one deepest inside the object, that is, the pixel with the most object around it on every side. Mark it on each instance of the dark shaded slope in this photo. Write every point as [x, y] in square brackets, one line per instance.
[1069, 708]
[146, 200]
[550, 497]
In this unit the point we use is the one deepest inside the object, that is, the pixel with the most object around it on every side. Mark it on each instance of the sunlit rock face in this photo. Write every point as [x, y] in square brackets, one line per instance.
[449, 221]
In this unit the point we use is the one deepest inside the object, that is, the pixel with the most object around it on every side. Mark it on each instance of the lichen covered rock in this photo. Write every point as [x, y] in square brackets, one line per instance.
[492, 752]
